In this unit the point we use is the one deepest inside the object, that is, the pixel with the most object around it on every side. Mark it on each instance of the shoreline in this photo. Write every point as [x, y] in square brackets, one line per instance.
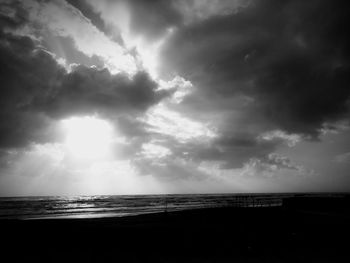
[115, 206]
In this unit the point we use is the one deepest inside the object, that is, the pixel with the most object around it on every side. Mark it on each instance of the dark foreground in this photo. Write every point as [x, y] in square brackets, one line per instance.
[210, 235]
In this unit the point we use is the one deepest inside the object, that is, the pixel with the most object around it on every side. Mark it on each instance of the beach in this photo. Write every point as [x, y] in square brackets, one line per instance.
[181, 131]
[266, 234]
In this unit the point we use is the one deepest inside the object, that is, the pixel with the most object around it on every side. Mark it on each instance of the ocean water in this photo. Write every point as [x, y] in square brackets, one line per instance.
[125, 205]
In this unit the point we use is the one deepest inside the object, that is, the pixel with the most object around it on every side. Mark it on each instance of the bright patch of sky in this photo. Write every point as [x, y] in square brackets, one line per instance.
[64, 20]
[164, 121]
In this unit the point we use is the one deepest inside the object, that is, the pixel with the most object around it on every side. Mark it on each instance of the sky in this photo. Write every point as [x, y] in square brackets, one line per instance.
[174, 96]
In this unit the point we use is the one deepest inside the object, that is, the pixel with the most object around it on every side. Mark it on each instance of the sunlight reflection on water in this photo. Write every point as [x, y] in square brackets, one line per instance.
[107, 206]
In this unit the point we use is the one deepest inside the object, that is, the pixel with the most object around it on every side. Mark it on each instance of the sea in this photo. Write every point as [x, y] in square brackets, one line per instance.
[99, 206]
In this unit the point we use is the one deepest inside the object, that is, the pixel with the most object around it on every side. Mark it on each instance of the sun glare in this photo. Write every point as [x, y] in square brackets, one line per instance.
[88, 137]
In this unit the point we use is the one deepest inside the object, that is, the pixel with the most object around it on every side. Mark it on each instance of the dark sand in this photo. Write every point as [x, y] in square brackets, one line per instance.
[208, 235]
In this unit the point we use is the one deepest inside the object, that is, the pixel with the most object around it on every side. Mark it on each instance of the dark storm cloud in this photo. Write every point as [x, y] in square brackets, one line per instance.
[36, 90]
[12, 14]
[88, 90]
[152, 18]
[290, 57]
[272, 65]
[26, 74]
[230, 151]
[236, 150]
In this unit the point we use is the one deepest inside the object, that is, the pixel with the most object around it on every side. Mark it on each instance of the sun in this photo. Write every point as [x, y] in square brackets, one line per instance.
[87, 137]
